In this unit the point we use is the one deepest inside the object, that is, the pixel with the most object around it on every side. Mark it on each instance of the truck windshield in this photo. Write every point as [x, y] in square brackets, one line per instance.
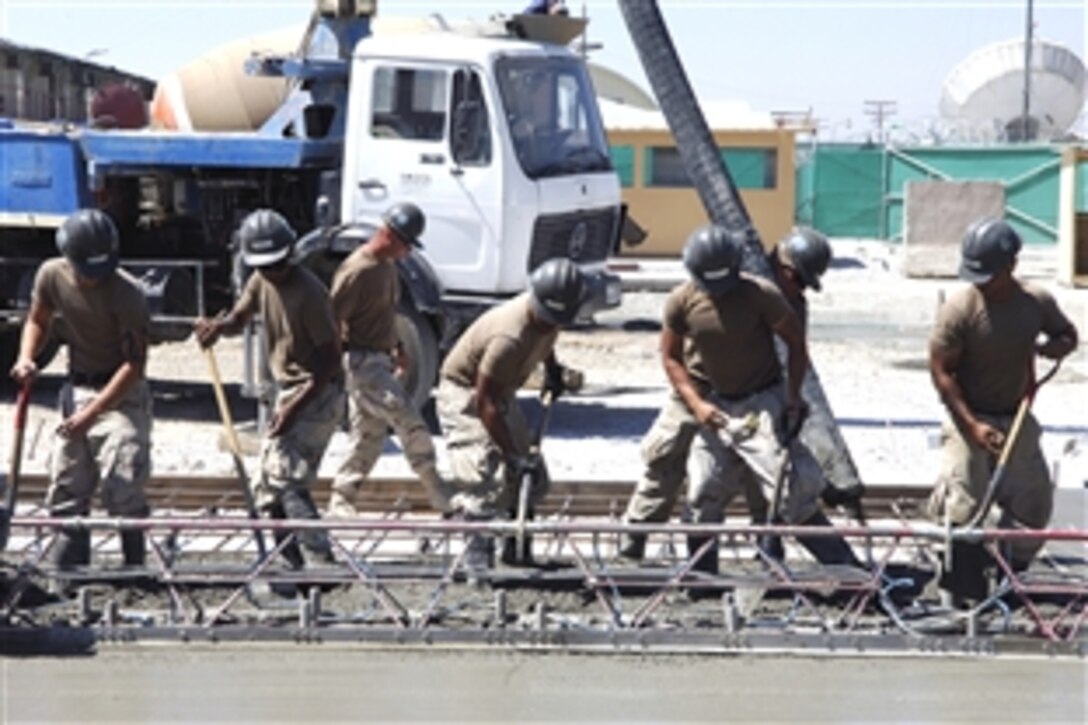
[552, 112]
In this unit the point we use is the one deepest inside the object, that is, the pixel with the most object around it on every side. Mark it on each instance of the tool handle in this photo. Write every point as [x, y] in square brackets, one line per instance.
[11, 491]
[235, 446]
[221, 400]
[547, 400]
[22, 404]
[1010, 442]
[15, 465]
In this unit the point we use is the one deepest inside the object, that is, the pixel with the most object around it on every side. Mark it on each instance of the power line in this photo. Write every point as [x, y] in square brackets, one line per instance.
[880, 110]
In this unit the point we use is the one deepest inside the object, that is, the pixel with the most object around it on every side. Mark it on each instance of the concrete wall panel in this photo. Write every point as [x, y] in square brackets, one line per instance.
[936, 214]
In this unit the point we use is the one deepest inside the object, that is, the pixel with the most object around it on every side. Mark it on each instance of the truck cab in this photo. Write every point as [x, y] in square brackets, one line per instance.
[499, 141]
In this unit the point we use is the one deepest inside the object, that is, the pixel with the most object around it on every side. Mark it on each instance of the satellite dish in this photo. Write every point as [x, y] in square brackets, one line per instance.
[986, 90]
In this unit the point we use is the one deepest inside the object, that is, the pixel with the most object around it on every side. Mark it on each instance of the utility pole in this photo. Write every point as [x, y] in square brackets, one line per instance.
[1026, 132]
[880, 111]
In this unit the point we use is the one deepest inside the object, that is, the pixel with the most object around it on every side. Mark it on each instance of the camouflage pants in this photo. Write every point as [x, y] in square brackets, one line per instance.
[1025, 496]
[293, 458]
[724, 463]
[665, 449]
[486, 486]
[377, 402]
[116, 451]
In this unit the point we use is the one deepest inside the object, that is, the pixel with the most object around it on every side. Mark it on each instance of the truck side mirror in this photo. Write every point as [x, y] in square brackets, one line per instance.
[467, 137]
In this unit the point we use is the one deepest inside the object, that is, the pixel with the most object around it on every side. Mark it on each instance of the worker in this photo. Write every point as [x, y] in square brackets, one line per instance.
[981, 359]
[487, 438]
[303, 350]
[744, 411]
[797, 262]
[105, 403]
[365, 291]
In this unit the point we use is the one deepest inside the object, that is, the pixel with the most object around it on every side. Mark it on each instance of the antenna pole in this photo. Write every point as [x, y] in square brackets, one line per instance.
[1026, 133]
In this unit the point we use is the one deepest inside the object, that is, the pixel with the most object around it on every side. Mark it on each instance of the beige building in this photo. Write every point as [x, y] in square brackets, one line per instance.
[758, 152]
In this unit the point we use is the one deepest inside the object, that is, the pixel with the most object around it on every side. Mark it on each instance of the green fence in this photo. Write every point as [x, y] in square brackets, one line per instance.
[852, 190]
[839, 189]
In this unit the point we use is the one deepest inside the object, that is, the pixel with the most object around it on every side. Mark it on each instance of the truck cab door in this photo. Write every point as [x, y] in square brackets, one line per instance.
[403, 149]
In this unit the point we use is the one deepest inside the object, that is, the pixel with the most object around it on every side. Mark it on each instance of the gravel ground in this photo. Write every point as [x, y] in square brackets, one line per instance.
[867, 338]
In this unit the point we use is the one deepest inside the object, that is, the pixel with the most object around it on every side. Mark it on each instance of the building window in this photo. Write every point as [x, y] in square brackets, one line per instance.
[750, 168]
[623, 161]
[470, 134]
[663, 169]
[409, 103]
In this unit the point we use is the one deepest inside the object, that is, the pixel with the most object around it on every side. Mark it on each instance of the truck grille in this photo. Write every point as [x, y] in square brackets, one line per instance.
[584, 236]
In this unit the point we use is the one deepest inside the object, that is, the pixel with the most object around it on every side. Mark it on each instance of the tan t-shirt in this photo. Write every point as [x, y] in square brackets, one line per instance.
[297, 318]
[96, 319]
[364, 301]
[996, 342]
[503, 345]
[729, 338]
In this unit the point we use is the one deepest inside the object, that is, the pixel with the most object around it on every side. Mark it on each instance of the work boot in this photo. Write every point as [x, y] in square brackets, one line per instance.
[133, 547]
[298, 504]
[133, 544]
[633, 547]
[510, 554]
[966, 581]
[73, 548]
[479, 556]
[708, 562]
[341, 507]
[771, 545]
[829, 550]
[291, 553]
[438, 491]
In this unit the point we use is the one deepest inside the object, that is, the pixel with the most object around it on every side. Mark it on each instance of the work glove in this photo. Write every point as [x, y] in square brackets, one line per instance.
[554, 380]
[519, 466]
[793, 417]
[834, 496]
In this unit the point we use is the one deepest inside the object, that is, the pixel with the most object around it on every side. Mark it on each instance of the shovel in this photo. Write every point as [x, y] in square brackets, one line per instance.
[235, 447]
[528, 481]
[11, 489]
[1010, 441]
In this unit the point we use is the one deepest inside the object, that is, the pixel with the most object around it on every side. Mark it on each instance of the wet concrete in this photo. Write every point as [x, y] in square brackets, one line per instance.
[321, 682]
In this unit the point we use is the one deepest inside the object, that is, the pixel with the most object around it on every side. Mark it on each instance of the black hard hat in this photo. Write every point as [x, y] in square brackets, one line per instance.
[406, 220]
[807, 252]
[88, 240]
[712, 256]
[266, 238]
[558, 291]
[989, 246]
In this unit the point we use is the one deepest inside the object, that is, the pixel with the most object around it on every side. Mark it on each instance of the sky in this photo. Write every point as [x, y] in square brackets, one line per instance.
[827, 56]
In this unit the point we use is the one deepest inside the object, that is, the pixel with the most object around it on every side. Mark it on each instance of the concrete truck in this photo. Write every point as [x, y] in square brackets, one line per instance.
[496, 135]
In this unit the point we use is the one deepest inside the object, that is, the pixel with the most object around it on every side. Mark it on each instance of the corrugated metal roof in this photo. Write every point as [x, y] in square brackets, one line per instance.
[720, 116]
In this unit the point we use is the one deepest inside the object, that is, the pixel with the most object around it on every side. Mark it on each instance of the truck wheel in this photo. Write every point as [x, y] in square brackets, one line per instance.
[420, 342]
